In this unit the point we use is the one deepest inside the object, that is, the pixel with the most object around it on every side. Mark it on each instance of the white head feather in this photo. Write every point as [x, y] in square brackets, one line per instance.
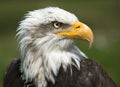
[42, 51]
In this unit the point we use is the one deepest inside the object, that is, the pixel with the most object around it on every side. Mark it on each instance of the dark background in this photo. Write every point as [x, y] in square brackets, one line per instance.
[103, 16]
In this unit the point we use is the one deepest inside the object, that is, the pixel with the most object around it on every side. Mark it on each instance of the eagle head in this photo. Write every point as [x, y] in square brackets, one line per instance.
[46, 40]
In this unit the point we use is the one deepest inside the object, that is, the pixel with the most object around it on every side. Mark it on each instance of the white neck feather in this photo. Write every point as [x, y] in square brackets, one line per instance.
[45, 55]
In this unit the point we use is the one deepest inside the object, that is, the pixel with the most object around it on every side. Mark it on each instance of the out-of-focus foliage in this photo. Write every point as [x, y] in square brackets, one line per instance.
[102, 16]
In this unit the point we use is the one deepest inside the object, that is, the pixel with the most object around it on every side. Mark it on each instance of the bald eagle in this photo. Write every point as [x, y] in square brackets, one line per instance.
[49, 56]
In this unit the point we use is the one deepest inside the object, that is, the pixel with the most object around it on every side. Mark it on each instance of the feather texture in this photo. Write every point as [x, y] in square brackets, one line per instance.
[91, 74]
[42, 51]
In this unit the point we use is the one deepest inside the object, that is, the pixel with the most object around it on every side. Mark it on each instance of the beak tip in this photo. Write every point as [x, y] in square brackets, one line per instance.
[90, 43]
[90, 38]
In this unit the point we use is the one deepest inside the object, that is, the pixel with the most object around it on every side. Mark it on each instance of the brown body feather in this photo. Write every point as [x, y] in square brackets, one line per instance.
[91, 74]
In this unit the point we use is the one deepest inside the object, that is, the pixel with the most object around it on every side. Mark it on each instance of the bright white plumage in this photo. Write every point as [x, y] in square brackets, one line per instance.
[42, 50]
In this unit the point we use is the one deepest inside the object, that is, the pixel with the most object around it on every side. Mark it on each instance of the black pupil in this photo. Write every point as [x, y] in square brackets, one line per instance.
[57, 24]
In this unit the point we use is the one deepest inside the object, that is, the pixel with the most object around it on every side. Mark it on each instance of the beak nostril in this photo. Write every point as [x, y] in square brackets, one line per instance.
[78, 27]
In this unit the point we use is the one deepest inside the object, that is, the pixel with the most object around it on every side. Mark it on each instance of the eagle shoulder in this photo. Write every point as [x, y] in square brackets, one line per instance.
[13, 76]
[91, 74]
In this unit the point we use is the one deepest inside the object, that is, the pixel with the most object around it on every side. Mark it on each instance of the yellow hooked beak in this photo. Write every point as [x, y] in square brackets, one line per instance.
[78, 31]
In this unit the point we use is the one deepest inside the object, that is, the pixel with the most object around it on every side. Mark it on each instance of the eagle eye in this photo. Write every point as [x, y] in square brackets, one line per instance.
[56, 25]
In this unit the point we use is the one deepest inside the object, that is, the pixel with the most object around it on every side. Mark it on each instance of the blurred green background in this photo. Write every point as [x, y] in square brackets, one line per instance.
[103, 16]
